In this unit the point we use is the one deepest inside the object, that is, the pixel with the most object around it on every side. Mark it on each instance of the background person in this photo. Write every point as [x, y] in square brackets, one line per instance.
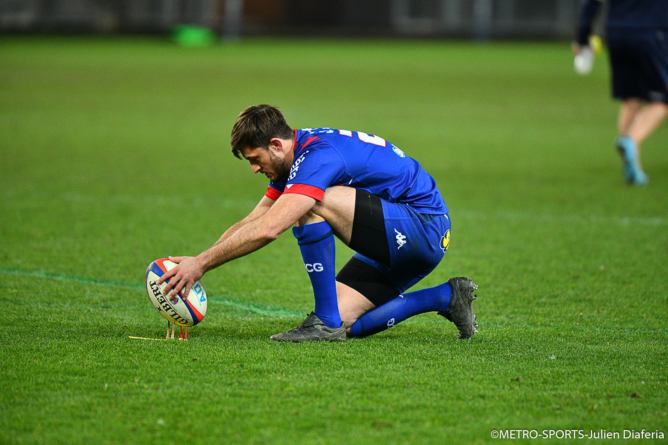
[636, 34]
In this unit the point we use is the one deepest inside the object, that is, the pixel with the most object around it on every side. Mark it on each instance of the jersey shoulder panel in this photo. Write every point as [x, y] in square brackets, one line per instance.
[317, 166]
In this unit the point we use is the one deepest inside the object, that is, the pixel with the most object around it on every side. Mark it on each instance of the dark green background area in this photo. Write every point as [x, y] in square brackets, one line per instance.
[114, 152]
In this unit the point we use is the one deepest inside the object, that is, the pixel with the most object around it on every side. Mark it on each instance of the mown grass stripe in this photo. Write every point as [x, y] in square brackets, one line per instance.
[274, 311]
[79, 280]
[257, 308]
[617, 329]
[171, 200]
[566, 218]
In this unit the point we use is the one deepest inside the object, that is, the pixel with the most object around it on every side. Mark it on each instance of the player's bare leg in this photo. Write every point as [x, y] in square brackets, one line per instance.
[646, 121]
[635, 124]
[627, 113]
[338, 209]
[627, 146]
[352, 304]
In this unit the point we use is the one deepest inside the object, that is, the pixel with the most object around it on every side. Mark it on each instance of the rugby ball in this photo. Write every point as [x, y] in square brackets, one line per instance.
[184, 311]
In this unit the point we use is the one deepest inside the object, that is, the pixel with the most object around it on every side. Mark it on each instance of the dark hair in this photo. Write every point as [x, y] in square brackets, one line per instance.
[256, 126]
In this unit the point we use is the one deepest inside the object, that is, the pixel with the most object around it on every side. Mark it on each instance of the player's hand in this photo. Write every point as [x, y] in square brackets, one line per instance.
[183, 276]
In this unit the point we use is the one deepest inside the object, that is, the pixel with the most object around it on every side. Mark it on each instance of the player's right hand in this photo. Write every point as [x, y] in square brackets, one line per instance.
[181, 277]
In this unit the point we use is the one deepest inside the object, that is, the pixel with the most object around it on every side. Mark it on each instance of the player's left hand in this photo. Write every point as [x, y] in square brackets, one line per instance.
[182, 277]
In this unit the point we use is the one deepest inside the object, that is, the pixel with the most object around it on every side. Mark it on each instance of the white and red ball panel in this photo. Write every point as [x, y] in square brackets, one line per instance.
[180, 310]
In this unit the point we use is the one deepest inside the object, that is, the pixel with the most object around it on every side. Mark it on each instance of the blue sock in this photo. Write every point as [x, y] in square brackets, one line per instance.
[404, 306]
[316, 242]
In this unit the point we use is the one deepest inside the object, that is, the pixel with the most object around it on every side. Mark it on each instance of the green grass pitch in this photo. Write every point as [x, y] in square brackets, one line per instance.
[114, 152]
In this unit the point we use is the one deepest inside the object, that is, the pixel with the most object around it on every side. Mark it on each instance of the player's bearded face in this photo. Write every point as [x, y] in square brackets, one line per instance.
[278, 167]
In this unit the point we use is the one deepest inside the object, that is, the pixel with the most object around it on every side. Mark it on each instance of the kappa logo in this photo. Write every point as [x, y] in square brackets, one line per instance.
[401, 239]
[315, 267]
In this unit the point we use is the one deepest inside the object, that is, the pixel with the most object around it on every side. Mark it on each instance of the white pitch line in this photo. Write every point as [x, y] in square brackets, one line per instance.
[257, 308]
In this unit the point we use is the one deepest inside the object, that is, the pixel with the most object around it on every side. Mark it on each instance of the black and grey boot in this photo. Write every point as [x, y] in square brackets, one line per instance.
[460, 311]
[312, 329]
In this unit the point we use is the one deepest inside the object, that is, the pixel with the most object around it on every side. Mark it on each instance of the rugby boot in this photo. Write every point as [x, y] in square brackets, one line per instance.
[312, 329]
[633, 173]
[460, 310]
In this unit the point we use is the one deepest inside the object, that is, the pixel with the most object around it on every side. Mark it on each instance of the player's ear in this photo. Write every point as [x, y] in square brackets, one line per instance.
[277, 145]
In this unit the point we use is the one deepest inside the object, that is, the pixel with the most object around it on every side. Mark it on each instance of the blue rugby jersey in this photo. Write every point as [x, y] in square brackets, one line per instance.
[625, 15]
[325, 157]
[646, 14]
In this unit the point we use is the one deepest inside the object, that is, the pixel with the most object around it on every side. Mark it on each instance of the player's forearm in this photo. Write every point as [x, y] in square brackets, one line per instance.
[231, 231]
[261, 227]
[247, 238]
[263, 206]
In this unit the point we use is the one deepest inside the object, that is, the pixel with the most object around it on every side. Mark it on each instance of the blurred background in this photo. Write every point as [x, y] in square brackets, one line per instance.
[479, 19]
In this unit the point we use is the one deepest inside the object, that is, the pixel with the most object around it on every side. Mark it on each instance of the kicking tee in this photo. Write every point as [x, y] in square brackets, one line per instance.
[325, 157]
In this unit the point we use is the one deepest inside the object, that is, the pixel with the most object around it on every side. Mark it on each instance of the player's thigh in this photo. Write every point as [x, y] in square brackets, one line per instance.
[369, 231]
[421, 242]
[417, 243]
[338, 209]
[356, 217]
[414, 238]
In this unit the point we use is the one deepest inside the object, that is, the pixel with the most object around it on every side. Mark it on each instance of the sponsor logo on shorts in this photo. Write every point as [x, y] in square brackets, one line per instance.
[401, 239]
[445, 241]
[390, 322]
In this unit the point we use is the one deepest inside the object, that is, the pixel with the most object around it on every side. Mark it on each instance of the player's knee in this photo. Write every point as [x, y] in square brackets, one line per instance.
[311, 217]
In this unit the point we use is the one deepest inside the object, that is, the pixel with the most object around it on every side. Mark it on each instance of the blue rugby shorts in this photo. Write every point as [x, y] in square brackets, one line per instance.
[417, 243]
